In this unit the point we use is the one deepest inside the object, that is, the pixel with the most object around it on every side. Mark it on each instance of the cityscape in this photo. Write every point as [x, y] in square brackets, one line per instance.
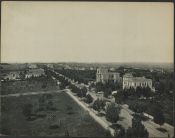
[102, 101]
[87, 69]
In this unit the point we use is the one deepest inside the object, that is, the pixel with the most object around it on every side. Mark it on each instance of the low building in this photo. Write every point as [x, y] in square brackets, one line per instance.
[34, 73]
[32, 66]
[114, 93]
[50, 66]
[130, 81]
[12, 76]
[100, 95]
[103, 75]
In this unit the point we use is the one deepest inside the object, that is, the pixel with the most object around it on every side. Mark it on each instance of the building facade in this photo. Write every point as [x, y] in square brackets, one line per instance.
[34, 73]
[134, 82]
[12, 76]
[103, 75]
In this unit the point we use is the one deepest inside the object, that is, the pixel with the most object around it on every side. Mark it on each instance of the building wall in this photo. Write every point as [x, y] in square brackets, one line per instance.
[103, 76]
[34, 73]
[136, 82]
[12, 76]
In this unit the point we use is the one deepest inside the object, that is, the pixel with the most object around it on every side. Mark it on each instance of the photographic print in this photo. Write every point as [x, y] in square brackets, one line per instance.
[87, 69]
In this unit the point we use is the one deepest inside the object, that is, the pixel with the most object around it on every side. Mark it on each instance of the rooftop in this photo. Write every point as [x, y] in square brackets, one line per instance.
[138, 79]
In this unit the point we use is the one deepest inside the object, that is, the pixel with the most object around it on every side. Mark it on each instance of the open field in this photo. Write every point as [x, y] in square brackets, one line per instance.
[21, 86]
[63, 119]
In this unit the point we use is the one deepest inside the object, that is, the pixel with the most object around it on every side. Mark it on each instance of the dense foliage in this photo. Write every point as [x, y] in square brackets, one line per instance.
[112, 113]
[82, 76]
[107, 87]
[158, 115]
[81, 92]
[98, 104]
[138, 107]
[89, 98]
[137, 130]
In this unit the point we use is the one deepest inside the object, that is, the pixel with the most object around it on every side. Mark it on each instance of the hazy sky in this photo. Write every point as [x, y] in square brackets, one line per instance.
[86, 32]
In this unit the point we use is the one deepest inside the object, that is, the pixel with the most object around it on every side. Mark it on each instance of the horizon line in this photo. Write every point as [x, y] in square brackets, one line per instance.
[89, 62]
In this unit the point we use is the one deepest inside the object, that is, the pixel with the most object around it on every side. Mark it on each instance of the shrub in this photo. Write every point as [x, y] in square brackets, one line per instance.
[98, 104]
[89, 98]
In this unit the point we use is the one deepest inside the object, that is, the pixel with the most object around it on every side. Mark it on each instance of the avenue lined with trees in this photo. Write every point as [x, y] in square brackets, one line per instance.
[138, 99]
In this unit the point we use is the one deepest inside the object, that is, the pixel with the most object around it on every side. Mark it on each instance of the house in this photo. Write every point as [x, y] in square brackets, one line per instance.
[100, 95]
[12, 75]
[32, 66]
[104, 75]
[34, 73]
[50, 66]
[130, 81]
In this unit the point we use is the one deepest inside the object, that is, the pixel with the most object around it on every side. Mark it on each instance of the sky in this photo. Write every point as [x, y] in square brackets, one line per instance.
[86, 32]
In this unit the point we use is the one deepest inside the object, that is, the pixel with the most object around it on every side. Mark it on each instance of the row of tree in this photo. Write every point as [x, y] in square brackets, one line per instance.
[82, 76]
[124, 94]
[81, 92]
[107, 87]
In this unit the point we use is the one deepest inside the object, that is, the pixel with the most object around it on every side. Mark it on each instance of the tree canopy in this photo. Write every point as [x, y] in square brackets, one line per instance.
[137, 130]
[112, 113]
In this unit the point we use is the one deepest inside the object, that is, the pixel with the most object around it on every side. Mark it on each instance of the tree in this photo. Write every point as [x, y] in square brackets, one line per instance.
[112, 113]
[27, 110]
[138, 91]
[119, 97]
[22, 75]
[138, 107]
[120, 134]
[107, 92]
[89, 98]
[99, 86]
[83, 91]
[137, 130]
[98, 104]
[159, 117]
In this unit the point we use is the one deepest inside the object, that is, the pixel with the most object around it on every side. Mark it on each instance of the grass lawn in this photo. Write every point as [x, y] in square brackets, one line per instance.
[11, 87]
[66, 118]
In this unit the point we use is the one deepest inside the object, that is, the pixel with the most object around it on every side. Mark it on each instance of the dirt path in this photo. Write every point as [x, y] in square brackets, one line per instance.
[105, 124]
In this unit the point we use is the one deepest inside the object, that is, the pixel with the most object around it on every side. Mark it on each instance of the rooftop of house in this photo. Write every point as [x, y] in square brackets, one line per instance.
[138, 79]
[106, 71]
[35, 71]
[128, 75]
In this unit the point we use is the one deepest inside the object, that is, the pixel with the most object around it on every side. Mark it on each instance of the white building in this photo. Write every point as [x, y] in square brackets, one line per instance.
[32, 66]
[103, 75]
[12, 76]
[130, 81]
[50, 66]
[34, 73]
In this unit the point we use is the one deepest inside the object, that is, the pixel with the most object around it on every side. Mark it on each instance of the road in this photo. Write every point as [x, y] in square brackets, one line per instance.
[101, 120]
